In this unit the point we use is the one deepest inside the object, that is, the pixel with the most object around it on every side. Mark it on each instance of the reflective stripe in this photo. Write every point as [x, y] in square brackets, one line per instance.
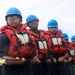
[56, 41]
[23, 38]
[72, 52]
[26, 38]
[59, 40]
[42, 44]
[45, 44]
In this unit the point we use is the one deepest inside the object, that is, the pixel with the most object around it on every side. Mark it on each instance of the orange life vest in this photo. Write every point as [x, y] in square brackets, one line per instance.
[19, 42]
[40, 42]
[56, 43]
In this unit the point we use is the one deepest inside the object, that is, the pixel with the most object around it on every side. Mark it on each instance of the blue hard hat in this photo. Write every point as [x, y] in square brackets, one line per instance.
[65, 36]
[52, 23]
[13, 11]
[30, 18]
[73, 38]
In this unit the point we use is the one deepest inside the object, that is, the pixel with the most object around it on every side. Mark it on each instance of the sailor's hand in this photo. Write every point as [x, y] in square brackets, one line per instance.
[60, 59]
[33, 60]
[54, 60]
[48, 61]
[38, 61]
[69, 59]
[65, 60]
[21, 60]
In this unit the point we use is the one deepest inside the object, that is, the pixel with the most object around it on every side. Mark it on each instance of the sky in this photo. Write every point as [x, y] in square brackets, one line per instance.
[63, 11]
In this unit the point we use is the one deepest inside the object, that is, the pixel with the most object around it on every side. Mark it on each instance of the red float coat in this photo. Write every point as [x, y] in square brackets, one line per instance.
[19, 42]
[40, 42]
[72, 50]
[57, 43]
